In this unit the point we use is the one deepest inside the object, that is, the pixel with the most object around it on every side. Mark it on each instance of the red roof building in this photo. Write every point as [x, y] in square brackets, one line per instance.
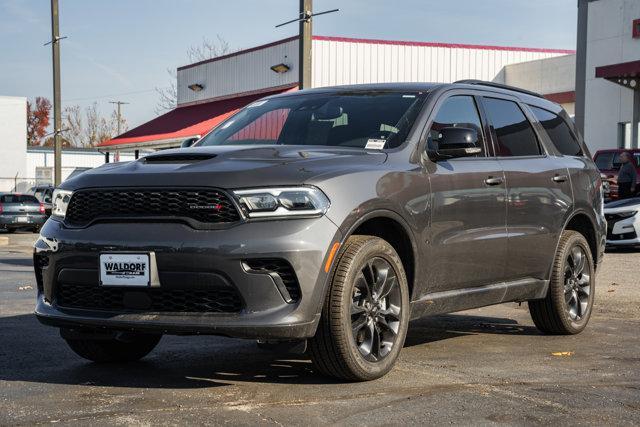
[212, 90]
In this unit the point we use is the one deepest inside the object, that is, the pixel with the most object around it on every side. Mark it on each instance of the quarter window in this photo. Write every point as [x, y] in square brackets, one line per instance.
[514, 134]
[558, 131]
[457, 111]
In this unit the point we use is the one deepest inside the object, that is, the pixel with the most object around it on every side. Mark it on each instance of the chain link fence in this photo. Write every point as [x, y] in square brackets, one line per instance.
[20, 185]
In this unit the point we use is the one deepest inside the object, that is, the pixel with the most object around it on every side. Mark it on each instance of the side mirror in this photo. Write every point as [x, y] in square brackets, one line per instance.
[188, 142]
[47, 199]
[454, 142]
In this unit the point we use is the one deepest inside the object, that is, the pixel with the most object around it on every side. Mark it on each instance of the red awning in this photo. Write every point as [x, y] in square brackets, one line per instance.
[625, 74]
[625, 69]
[184, 122]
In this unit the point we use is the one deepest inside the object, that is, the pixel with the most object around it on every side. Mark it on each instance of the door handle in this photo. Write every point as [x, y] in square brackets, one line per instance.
[493, 181]
[559, 178]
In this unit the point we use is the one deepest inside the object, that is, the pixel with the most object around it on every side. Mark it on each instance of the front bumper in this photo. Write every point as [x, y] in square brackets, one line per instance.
[184, 255]
[624, 232]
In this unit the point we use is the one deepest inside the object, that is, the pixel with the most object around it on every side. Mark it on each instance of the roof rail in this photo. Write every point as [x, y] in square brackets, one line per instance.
[499, 86]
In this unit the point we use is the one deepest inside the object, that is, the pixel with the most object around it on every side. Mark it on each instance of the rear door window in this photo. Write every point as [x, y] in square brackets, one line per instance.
[513, 132]
[558, 132]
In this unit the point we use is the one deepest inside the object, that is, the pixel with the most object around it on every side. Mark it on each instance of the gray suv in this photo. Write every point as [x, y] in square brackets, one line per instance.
[330, 216]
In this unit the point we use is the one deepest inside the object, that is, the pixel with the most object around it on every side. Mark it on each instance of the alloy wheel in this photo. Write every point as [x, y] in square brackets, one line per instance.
[376, 309]
[577, 283]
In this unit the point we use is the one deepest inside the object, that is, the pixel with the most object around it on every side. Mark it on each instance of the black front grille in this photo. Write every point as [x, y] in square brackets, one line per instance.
[282, 268]
[118, 299]
[204, 206]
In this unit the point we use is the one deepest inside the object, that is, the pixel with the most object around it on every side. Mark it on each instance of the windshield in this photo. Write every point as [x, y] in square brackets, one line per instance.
[356, 119]
[611, 160]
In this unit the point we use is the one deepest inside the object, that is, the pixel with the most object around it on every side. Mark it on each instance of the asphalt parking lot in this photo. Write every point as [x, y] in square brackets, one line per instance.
[485, 366]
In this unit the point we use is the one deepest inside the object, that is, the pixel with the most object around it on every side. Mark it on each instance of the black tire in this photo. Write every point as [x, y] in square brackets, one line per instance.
[36, 229]
[113, 350]
[334, 349]
[556, 314]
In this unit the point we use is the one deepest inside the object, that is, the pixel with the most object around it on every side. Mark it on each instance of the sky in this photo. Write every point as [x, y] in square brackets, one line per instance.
[121, 49]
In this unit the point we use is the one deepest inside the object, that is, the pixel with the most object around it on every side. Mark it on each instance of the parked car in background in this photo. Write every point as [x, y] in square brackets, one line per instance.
[43, 193]
[608, 162]
[623, 222]
[21, 211]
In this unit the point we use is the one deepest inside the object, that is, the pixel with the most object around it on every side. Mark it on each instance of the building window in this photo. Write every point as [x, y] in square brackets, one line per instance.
[624, 135]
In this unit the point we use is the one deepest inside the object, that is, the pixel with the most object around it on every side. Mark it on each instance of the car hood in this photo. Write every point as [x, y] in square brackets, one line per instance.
[625, 205]
[229, 167]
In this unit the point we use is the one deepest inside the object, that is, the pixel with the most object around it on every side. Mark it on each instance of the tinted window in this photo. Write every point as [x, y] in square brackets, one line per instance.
[458, 112]
[344, 119]
[18, 198]
[558, 131]
[513, 131]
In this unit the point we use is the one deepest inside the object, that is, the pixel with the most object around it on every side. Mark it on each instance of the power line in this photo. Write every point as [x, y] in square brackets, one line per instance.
[89, 98]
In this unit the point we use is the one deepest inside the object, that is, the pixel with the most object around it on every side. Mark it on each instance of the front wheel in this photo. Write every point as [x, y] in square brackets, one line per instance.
[567, 307]
[366, 313]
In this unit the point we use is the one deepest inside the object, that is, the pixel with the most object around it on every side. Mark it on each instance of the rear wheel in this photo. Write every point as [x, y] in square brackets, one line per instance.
[567, 307]
[366, 313]
[104, 350]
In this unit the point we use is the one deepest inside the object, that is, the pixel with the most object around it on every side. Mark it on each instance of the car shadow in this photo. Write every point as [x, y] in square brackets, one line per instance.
[31, 352]
[22, 261]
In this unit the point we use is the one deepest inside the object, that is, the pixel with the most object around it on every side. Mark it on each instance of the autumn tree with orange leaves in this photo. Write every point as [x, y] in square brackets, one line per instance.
[37, 120]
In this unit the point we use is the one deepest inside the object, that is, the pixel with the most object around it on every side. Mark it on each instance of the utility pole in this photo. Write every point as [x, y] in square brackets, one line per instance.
[119, 118]
[57, 119]
[304, 43]
[118, 103]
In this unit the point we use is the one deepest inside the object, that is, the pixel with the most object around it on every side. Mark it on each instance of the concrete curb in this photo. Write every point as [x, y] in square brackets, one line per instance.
[4, 241]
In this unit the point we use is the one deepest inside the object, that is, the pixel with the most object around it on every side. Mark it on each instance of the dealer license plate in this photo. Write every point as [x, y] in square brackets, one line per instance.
[124, 269]
[22, 219]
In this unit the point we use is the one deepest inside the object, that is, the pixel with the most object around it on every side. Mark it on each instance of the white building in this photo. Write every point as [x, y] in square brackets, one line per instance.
[22, 167]
[209, 91]
[608, 73]
[13, 136]
[553, 77]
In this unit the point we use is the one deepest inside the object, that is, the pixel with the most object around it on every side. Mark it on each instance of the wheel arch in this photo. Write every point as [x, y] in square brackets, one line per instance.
[581, 222]
[391, 227]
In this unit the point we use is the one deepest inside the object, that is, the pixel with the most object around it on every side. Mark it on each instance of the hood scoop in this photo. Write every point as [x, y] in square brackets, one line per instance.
[178, 158]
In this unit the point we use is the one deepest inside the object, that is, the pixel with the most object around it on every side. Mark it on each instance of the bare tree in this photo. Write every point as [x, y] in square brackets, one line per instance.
[72, 123]
[207, 49]
[90, 128]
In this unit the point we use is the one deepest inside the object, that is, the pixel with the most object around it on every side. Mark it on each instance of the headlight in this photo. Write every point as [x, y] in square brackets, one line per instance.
[282, 202]
[60, 202]
[623, 215]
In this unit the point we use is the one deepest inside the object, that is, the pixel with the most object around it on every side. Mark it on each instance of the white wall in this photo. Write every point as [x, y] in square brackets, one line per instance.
[609, 42]
[13, 136]
[71, 160]
[544, 76]
[340, 61]
[39, 157]
[239, 73]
